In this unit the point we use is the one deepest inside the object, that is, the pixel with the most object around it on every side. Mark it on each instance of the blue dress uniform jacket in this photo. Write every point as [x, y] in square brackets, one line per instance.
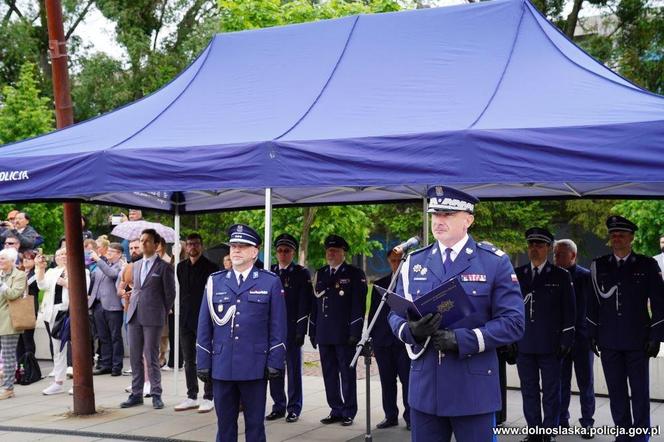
[254, 333]
[297, 286]
[550, 309]
[621, 321]
[381, 334]
[465, 383]
[338, 310]
[391, 356]
[296, 281]
[618, 319]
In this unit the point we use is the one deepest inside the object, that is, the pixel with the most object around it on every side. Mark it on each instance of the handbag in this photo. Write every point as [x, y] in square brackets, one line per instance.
[59, 324]
[22, 313]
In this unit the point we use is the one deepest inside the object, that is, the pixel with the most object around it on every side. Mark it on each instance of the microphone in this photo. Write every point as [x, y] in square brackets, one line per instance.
[405, 246]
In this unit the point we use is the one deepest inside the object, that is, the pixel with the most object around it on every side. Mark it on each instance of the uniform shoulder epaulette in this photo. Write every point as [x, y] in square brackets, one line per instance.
[219, 272]
[485, 245]
[269, 272]
[423, 249]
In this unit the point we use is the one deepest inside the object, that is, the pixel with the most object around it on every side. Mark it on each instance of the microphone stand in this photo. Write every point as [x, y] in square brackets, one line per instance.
[364, 346]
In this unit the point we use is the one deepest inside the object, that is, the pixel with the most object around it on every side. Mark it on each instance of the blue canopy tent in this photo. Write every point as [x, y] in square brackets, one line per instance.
[488, 97]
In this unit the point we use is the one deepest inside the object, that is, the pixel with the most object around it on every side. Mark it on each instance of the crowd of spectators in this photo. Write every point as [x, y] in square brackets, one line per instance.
[25, 269]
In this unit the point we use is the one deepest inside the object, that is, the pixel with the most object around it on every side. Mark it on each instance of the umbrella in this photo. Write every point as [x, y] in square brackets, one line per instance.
[132, 230]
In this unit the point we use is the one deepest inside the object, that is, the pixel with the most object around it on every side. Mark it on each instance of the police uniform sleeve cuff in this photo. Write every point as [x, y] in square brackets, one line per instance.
[480, 340]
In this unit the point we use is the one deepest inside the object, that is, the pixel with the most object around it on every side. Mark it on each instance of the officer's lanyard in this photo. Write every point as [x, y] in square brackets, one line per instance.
[600, 291]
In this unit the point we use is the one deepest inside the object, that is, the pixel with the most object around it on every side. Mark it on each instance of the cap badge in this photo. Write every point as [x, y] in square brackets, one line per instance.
[439, 190]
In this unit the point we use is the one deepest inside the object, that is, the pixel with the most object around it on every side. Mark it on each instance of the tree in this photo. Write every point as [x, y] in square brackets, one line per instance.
[648, 216]
[24, 112]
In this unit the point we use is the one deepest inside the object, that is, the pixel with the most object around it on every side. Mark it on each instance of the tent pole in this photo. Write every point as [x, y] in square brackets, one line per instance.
[84, 395]
[425, 222]
[267, 241]
[176, 328]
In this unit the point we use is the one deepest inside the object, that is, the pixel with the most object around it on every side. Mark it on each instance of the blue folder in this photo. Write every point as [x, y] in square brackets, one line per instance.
[449, 298]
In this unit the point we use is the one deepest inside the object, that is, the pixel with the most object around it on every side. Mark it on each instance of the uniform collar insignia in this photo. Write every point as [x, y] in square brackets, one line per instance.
[228, 275]
[469, 250]
[255, 275]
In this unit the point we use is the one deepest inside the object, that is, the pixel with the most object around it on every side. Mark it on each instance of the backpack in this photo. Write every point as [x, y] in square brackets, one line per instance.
[28, 370]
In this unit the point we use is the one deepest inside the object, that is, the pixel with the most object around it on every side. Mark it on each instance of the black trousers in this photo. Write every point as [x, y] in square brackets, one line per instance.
[26, 343]
[171, 342]
[188, 346]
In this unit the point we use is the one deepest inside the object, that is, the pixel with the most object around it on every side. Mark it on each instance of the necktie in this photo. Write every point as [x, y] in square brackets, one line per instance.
[621, 262]
[447, 264]
[241, 280]
[332, 271]
[535, 273]
[144, 271]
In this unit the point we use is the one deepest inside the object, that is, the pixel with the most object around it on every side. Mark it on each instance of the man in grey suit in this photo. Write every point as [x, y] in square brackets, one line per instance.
[151, 299]
[106, 308]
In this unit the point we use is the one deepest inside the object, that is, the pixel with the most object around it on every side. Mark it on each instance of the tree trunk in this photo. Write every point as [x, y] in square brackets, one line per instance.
[309, 214]
[573, 19]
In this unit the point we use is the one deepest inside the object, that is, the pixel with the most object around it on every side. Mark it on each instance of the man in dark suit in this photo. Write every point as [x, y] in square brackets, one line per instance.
[296, 281]
[151, 299]
[390, 353]
[337, 317]
[107, 311]
[193, 273]
[550, 308]
[581, 356]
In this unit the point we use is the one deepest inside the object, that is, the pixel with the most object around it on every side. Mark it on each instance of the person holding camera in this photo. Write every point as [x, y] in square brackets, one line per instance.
[55, 306]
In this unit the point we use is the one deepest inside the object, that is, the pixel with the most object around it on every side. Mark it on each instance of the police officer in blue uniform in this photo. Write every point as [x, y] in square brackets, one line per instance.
[581, 356]
[550, 307]
[621, 328]
[296, 281]
[391, 357]
[241, 339]
[336, 320]
[454, 386]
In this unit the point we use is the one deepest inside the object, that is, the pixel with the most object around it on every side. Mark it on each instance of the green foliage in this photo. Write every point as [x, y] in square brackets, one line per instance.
[237, 15]
[504, 223]
[648, 216]
[24, 112]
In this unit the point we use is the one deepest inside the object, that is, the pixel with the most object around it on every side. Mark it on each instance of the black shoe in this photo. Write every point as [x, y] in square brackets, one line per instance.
[587, 435]
[101, 371]
[157, 403]
[331, 419]
[347, 421]
[387, 423]
[292, 417]
[132, 401]
[275, 415]
[408, 426]
[116, 372]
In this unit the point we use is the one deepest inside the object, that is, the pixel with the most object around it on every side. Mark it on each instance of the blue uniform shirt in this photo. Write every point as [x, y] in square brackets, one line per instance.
[619, 318]
[248, 332]
[339, 305]
[550, 309]
[464, 383]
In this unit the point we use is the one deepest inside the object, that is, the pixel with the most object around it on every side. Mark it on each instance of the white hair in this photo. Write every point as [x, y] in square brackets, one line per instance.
[567, 243]
[10, 254]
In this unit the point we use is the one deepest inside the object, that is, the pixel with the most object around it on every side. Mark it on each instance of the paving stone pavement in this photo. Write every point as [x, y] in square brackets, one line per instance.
[43, 416]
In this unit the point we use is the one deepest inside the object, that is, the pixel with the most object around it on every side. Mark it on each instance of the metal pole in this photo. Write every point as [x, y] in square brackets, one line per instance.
[267, 241]
[84, 398]
[176, 328]
[425, 221]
